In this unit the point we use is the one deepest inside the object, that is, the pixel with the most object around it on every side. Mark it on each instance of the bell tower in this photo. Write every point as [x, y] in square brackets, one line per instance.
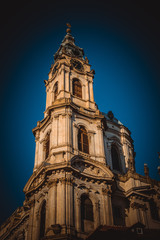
[70, 77]
[70, 172]
[69, 106]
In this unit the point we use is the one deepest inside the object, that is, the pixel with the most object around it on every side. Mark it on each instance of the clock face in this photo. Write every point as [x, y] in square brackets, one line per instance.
[77, 65]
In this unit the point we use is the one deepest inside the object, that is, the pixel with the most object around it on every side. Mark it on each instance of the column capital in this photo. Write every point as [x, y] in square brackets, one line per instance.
[52, 182]
[106, 191]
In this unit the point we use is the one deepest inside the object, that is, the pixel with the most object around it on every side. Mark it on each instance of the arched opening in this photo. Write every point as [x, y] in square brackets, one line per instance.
[47, 146]
[55, 91]
[86, 214]
[77, 88]
[83, 144]
[115, 158]
[42, 220]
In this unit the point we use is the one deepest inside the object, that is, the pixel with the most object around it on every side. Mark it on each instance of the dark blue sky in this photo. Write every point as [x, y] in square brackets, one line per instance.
[121, 40]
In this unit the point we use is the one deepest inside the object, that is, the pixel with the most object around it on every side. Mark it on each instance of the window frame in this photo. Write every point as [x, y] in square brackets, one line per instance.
[115, 160]
[77, 88]
[83, 141]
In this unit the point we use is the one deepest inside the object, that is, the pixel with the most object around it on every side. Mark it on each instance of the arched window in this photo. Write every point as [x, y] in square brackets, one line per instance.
[77, 88]
[83, 140]
[47, 146]
[55, 91]
[115, 158]
[86, 212]
[43, 220]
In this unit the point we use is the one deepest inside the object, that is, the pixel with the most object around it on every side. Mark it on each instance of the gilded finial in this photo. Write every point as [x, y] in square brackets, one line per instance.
[69, 28]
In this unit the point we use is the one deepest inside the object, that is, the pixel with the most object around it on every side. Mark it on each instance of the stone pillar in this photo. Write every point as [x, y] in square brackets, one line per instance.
[91, 91]
[67, 81]
[91, 143]
[63, 78]
[87, 89]
[56, 129]
[63, 201]
[37, 150]
[100, 143]
[31, 222]
[107, 206]
[52, 201]
[96, 214]
[75, 142]
[68, 129]
[69, 201]
[78, 214]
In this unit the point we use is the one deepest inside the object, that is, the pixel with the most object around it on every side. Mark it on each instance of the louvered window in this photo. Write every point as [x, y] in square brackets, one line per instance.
[83, 140]
[55, 90]
[77, 88]
[115, 158]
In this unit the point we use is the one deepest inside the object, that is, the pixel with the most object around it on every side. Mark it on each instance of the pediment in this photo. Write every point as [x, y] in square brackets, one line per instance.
[34, 182]
[91, 168]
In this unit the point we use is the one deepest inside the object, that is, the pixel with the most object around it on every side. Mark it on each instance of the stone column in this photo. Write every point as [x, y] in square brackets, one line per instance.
[67, 81]
[96, 214]
[107, 207]
[69, 201]
[52, 199]
[91, 91]
[91, 143]
[63, 201]
[78, 214]
[63, 78]
[31, 222]
[37, 150]
[56, 117]
[87, 89]
[100, 143]
[75, 142]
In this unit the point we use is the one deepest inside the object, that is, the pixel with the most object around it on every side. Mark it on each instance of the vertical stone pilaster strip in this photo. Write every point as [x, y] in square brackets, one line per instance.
[91, 91]
[67, 81]
[110, 213]
[36, 152]
[63, 197]
[87, 89]
[31, 228]
[96, 214]
[78, 214]
[69, 202]
[52, 195]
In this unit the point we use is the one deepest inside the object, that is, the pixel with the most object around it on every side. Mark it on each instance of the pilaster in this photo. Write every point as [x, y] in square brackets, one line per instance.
[52, 206]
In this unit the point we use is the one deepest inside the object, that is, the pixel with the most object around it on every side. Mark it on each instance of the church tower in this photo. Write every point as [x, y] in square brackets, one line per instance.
[84, 173]
[70, 172]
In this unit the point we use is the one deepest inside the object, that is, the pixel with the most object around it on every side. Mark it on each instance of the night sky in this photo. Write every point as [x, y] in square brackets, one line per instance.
[122, 42]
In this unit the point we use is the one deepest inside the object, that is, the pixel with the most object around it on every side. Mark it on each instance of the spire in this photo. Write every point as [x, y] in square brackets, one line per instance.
[68, 46]
[69, 28]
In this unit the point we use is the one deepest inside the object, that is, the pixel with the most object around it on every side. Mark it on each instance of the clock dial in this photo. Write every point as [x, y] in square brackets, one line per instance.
[77, 65]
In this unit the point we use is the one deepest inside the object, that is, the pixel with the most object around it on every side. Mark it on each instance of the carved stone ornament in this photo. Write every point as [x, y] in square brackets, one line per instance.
[77, 65]
[89, 169]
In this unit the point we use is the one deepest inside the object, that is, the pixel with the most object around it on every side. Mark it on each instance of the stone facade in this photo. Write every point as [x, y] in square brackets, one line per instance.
[84, 173]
